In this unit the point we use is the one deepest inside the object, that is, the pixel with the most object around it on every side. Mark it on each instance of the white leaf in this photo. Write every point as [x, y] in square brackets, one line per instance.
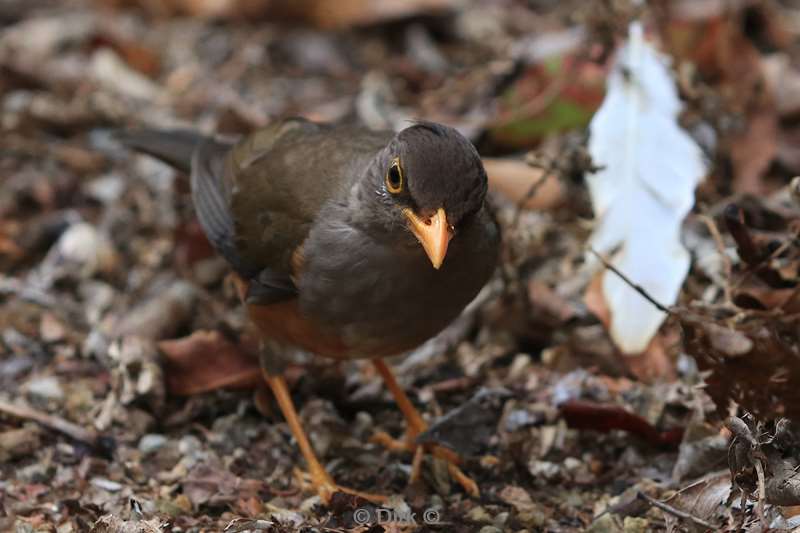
[645, 188]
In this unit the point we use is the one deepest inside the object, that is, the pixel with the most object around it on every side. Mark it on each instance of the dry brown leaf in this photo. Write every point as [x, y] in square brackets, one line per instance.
[212, 483]
[513, 179]
[727, 57]
[764, 381]
[582, 414]
[593, 298]
[134, 54]
[345, 13]
[704, 499]
[204, 9]
[728, 341]
[206, 361]
[321, 13]
[754, 149]
[548, 301]
[653, 364]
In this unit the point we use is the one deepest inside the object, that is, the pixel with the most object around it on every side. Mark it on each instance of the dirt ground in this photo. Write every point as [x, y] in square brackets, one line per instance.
[109, 291]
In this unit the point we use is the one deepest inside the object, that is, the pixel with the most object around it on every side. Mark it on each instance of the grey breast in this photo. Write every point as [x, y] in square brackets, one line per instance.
[382, 295]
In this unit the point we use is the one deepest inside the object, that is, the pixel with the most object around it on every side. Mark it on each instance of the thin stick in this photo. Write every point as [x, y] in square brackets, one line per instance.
[726, 261]
[676, 512]
[50, 421]
[532, 190]
[762, 492]
[637, 288]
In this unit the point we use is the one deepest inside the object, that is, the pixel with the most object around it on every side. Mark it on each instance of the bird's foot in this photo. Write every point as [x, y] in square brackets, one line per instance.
[409, 444]
[325, 487]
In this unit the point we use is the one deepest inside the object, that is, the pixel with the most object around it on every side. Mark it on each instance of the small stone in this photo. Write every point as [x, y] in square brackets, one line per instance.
[106, 484]
[632, 524]
[572, 464]
[50, 329]
[531, 518]
[607, 523]
[106, 189]
[46, 387]
[479, 514]
[501, 519]
[88, 249]
[191, 449]
[17, 443]
[151, 442]
[183, 503]
[544, 469]
[490, 529]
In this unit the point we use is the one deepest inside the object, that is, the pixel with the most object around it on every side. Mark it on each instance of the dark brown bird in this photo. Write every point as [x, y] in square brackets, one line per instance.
[349, 243]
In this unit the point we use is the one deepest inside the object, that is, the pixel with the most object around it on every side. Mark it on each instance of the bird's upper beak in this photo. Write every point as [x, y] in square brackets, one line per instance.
[433, 234]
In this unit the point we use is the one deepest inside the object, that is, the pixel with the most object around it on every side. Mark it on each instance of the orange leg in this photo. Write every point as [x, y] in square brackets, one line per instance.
[320, 479]
[415, 426]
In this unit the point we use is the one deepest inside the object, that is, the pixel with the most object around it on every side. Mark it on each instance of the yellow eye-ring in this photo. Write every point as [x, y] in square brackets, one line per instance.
[394, 177]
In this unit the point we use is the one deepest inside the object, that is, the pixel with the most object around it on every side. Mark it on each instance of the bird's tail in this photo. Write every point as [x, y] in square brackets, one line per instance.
[174, 147]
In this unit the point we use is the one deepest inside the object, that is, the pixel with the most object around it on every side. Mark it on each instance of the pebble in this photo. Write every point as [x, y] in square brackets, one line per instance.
[151, 442]
[46, 387]
[632, 524]
[91, 251]
[479, 514]
[106, 484]
[107, 188]
[543, 469]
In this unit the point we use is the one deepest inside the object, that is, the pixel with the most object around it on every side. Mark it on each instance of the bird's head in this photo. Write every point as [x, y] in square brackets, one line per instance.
[430, 180]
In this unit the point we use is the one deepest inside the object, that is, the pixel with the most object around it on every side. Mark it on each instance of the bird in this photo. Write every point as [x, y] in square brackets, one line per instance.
[345, 242]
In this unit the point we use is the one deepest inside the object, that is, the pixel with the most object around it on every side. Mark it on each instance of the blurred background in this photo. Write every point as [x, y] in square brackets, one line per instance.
[109, 289]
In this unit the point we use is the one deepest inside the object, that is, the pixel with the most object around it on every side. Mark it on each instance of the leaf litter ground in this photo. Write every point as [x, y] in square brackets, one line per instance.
[119, 325]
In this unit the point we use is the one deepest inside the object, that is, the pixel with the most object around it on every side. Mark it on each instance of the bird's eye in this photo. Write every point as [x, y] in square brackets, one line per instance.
[394, 177]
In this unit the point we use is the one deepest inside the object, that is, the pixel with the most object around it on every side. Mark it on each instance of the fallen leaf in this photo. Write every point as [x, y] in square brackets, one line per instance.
[764, 381]
[728, 341]
[134, 54]
[704, 499]
[514, 179]
[557, 95]
[753, 149]
[213, 484]
[580, 414]
[206, 361]
[320, 13]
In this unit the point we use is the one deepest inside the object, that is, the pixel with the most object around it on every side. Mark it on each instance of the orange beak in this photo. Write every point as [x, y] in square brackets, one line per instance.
[434, 234]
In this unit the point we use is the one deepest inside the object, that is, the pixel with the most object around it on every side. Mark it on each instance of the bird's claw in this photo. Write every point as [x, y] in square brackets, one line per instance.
[325, 487]
[409, 444]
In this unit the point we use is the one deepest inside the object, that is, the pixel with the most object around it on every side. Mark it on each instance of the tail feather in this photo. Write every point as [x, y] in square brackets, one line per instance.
[174, 147]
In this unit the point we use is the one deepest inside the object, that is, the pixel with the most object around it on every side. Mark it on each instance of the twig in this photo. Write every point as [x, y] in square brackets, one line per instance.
[762, 491]
[676, 512]
[49, 421]
[634, 286]
[726, 260]
[534, 188]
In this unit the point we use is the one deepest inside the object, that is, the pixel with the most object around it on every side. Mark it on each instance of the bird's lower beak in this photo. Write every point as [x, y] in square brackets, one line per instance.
[433, 234]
